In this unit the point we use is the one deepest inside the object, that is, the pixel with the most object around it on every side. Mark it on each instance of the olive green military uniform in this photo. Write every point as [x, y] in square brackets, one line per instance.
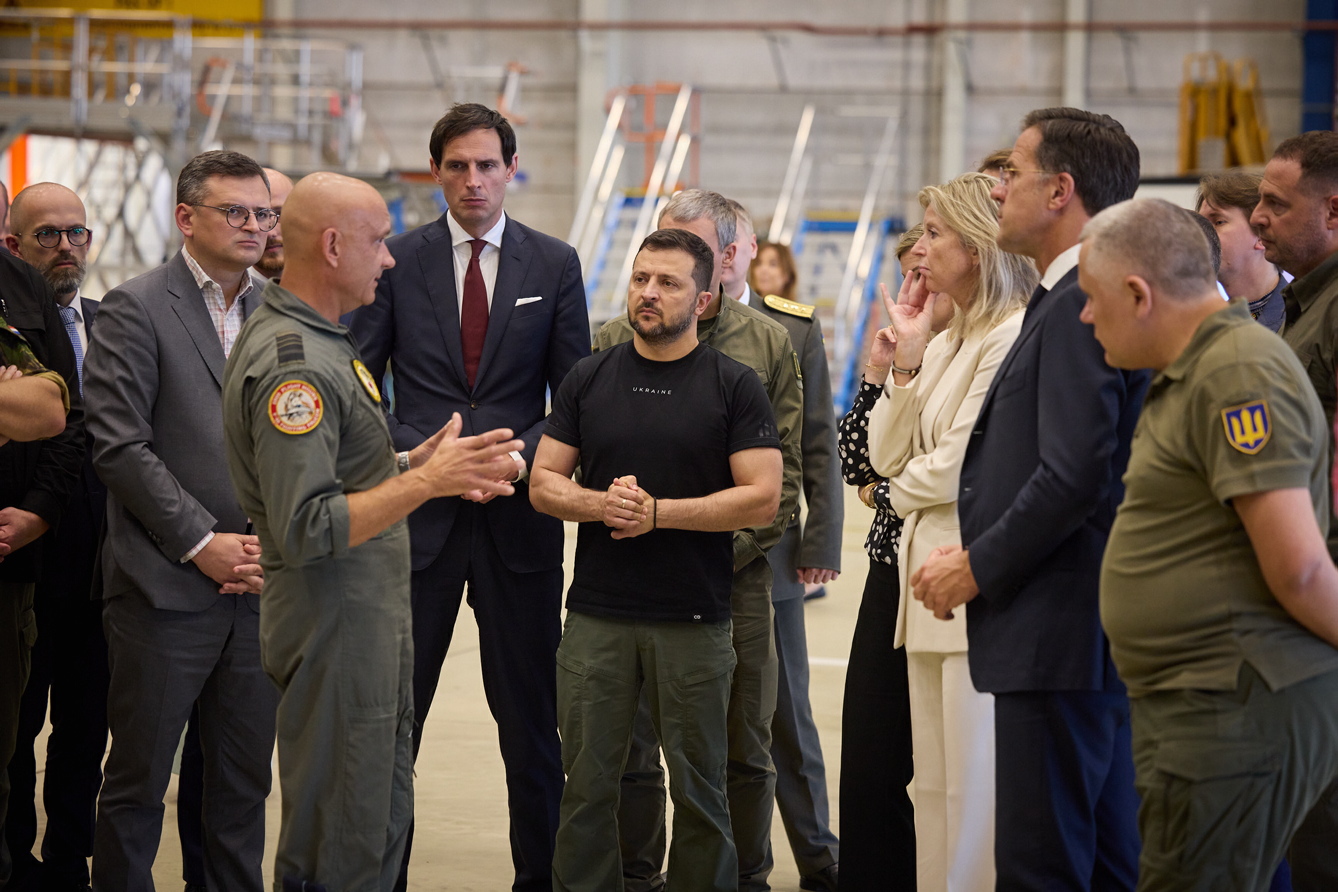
[801, 774]
[304, 428]
[1235, 735]
[15, 351]
[1311, 329]
[745, 335]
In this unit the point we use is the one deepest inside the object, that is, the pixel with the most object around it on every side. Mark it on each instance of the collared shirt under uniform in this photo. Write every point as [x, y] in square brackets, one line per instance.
[1183, 599]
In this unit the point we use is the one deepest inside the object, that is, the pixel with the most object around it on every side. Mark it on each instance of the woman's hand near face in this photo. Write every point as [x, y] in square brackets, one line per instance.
[912, 319]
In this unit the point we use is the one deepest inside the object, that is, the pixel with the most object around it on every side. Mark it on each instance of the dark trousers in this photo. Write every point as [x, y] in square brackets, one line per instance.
[190, 803]
[18, 634]
[1066, 807]
[801, 775]
[1313, 855]
[69, 665]
[877, 818]
[519, 630]
[796, 750]
[162, 662]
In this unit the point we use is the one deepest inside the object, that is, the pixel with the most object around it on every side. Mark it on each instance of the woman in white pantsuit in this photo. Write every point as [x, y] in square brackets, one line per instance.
[918, 436]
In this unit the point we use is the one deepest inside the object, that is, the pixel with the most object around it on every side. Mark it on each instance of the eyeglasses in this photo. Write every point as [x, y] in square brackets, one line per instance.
[50, 238]
[266, 219]
[1008, 174]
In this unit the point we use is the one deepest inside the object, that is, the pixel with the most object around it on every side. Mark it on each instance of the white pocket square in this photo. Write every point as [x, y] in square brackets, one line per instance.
[528, 300]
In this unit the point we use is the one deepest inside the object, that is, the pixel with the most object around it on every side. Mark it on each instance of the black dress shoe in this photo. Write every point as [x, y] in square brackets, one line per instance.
[822, 881]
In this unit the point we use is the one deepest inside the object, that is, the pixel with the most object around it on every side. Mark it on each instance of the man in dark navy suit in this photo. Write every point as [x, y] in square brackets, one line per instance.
[1039, 489]
[69, 660]
[482, 316]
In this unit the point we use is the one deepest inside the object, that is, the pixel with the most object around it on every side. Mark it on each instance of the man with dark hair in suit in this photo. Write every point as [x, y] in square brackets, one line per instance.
[1039, 489]
[180, 576]
[69, 661]
[483, 316]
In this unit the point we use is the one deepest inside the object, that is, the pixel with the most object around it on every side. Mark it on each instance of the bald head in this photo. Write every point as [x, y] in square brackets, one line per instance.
[43, 212]
[271, 262]
[334, 242]
[4, 211]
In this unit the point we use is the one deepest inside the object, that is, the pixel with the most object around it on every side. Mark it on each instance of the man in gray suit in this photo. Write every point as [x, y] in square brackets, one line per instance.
[180, 571]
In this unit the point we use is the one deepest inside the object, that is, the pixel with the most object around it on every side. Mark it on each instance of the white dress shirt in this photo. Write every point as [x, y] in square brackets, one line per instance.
[488, 260]
[1060, 266]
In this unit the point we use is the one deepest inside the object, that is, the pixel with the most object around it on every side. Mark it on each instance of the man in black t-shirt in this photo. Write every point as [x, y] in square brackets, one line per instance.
[687, 438]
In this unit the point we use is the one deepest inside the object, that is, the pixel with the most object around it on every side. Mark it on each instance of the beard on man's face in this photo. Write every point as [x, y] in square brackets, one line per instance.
[65, 279]
[663, 332]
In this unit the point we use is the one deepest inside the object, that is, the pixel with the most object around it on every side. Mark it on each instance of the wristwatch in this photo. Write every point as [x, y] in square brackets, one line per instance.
[402, 459]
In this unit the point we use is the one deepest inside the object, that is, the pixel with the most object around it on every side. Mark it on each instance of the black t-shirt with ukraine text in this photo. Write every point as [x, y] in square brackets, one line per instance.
[672, 425]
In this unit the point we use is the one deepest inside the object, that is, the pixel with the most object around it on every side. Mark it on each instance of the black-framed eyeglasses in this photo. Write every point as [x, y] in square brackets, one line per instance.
[78, 236]
[1008, 174]
[266, 219]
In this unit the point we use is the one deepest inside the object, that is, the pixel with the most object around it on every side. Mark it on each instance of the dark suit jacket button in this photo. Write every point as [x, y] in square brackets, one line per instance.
[966, 489]
[473, 405]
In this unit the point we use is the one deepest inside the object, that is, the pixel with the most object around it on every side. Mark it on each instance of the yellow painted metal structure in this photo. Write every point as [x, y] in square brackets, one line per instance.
[1221, 116]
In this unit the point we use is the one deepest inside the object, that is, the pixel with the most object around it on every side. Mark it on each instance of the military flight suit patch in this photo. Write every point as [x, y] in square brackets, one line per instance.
[1248, 426]
[368, 382]
[295, 407]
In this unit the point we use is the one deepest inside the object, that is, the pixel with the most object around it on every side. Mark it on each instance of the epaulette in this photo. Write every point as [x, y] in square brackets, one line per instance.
[288, 346]
[781, 305]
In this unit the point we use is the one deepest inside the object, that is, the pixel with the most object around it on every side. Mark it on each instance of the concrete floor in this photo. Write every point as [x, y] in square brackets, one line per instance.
[461, 839]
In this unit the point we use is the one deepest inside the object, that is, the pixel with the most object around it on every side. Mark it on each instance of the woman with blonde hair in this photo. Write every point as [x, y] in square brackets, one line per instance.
[918, 433]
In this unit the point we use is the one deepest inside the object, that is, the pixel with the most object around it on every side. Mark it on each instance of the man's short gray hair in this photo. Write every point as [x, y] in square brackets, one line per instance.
[1154, 239]
[694, 204]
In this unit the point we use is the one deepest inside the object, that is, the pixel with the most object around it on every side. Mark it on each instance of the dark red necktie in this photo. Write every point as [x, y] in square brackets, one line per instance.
[474, 312]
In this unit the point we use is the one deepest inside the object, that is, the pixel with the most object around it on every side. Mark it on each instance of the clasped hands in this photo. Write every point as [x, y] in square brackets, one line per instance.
[628, 509]
[945, 581]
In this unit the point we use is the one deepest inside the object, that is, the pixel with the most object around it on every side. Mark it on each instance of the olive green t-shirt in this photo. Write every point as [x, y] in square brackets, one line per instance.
[1183, 599]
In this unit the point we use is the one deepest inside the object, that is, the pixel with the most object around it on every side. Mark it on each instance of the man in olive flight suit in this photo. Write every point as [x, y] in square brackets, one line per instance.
[314, 467]
[749, 337]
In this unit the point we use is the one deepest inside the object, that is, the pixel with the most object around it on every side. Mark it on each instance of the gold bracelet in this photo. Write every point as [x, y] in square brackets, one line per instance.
[876, 368]
[866, 494]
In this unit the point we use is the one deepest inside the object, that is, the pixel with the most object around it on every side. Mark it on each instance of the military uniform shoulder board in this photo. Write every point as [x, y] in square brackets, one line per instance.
[288, 346]
[789, 307]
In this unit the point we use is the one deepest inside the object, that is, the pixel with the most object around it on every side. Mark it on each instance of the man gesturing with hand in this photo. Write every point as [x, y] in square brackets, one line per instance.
[650, 598]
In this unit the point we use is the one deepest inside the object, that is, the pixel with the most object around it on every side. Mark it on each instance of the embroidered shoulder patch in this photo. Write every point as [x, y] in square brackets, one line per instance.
[288, 345]
[365, 378]
[1248, 426]
[295, 407]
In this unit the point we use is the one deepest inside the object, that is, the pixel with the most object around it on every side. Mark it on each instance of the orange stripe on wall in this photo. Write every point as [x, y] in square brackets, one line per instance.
[18, 165]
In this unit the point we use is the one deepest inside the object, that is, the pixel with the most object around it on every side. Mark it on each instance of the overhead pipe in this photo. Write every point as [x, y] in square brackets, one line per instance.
[913, 29]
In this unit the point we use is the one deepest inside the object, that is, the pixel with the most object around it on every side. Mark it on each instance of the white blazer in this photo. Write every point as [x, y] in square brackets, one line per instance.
[917, 439]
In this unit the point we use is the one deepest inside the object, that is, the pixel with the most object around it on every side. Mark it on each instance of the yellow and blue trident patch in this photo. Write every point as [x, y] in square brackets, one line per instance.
[1247, 426]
